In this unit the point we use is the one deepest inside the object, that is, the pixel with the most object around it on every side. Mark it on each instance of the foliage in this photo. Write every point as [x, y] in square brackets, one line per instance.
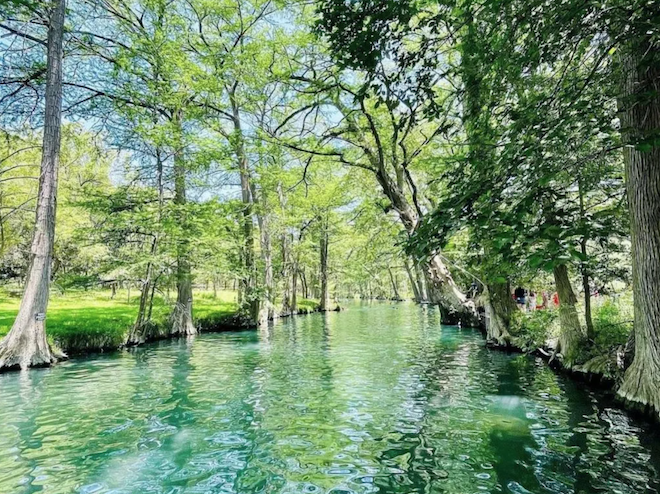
[613, 323]
[533, 329]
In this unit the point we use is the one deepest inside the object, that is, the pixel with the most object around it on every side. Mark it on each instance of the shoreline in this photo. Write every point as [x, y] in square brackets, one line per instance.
[596, 380]
[87, 345]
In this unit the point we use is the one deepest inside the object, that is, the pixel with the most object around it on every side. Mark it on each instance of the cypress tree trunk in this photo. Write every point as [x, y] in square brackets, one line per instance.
[571, 334]
[499, 309]
[395, 288]
[325, 300]
[583, 268]
[303, 282]
[26, 345]
[250, 302]
[138, 334]
[587, 303]
[421, 284]
[286, 259]
[294, 288]
[640, 121]
[413, 282]
[268, 311]
[181, 318]
[441, 288]
[286, 269]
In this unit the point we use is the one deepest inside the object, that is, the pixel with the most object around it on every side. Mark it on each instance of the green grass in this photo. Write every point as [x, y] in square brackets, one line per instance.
[308, 305]
[80, 321]
[211, 312]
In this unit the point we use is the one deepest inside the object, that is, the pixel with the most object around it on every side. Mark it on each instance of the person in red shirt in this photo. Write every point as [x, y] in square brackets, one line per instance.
[555, 299]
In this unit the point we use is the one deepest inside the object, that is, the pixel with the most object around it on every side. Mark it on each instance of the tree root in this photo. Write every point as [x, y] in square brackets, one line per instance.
[23, 352]
[640, 389]
[181, 320]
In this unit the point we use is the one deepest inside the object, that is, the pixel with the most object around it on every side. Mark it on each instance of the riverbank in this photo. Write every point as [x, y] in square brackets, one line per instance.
[601, 361]
[85, 322]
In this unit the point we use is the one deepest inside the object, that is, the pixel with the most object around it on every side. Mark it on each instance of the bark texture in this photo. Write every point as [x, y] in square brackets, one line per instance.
[26, 345]
[499, 309]
[640, 119]
[571, 334]
[182, 318]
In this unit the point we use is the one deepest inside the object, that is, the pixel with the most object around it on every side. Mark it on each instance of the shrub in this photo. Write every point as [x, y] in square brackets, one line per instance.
[612, 324]
[532, 329]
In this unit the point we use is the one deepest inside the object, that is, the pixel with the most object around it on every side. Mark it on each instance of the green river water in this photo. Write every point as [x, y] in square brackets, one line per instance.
[375, 399]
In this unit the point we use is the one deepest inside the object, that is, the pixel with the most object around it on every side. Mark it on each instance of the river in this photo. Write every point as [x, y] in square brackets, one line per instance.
[379, 398]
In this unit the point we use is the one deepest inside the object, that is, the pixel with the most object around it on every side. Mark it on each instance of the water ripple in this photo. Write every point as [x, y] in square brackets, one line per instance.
[380, 399]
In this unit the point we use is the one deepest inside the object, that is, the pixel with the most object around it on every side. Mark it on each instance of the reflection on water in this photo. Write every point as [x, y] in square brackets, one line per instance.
[375, 399]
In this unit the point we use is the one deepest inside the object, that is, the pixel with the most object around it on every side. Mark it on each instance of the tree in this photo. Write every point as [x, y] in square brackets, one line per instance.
[386, 138]
[26, 344]
[640, 123]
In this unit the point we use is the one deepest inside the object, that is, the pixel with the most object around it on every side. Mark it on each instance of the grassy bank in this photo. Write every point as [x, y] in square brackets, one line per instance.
[88, 321]
[85, 321]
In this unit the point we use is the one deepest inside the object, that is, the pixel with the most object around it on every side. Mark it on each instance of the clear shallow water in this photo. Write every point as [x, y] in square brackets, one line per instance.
[380, 399]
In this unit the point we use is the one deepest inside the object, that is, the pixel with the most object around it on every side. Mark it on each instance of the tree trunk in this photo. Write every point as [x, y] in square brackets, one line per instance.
[139, 333]
[250, 300]
[587, 304]
[395, 289]
[500, 308]
[286, 258]
[294, 288]
[442, 290]
[583, 267]
[421, 284]
[26, 345]
[286, 271]
[268, 311]
[571, 334]
[325, 301]
[182, 317]
[640, 121]
[454, 305]
[303, 282]
[413, 282]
